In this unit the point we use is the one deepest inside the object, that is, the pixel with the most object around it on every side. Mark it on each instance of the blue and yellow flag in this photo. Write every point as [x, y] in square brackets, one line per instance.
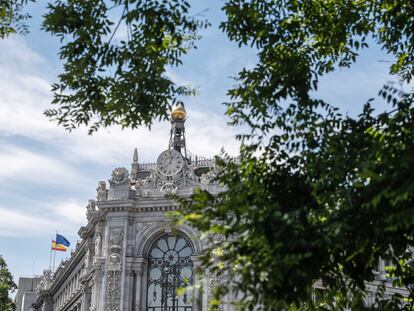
[60, 239]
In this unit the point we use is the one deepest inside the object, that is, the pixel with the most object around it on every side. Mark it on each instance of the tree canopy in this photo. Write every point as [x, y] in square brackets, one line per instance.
[317, 196]
[7, 286]
[12, 19]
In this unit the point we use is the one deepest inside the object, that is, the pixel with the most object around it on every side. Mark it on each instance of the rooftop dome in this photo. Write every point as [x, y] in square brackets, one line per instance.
[178, 112]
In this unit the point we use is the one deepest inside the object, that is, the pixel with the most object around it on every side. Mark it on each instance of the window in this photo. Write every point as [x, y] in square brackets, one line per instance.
[170, 268]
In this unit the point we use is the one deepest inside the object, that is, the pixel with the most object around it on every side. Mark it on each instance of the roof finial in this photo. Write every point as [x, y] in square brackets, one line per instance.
[178, 112]
[134, 165]
[135, 157]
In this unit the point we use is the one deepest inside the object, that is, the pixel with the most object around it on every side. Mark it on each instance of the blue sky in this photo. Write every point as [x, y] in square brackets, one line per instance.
[47, 175]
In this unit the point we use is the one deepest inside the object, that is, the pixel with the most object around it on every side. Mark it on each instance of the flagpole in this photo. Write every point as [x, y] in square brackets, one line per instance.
[50, 257]
[54, 254]
[54, 259]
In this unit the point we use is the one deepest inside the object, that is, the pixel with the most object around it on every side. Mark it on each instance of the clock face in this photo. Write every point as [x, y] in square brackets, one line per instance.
[170, 162]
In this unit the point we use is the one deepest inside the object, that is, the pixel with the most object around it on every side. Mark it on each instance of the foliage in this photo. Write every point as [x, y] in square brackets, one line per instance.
[7, 285]
[317, 196]
[125, 81]
[322, 215]
[11, 17]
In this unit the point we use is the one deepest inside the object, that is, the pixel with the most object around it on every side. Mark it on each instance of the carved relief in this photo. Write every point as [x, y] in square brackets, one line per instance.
[146, 193]
[98, 246]
[113, 292]
[87, 255]
[120, 176]
[214, 282]
[169, 188]
[190, 176]
[115, 259]
[45, 282]
[119, 184]
[113, 288]
[158, 183]
[115, 237]
[90, 209]
[150, 181]
[215, 277]
[101, 191]
[208, 177]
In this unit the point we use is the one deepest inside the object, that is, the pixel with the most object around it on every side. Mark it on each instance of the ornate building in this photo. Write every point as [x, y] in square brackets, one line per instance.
[131, 256]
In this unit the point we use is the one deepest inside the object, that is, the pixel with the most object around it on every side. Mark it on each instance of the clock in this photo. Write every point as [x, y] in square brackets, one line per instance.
[170, 162]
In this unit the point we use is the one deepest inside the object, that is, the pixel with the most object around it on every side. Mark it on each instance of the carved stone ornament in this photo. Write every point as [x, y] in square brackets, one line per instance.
[214, 281]
[115, 249]
[120, 176]
[116, 237]
[113, 291]
[45, 282]
[151, 180]
[208, 177]
[146, 193]
[87, 255]
[113, 287]
[169, 188]
[98, 245]
[215, 277]
[160, 184]
[115, 258]
[101, 191]
[90, 209]
[190, 175]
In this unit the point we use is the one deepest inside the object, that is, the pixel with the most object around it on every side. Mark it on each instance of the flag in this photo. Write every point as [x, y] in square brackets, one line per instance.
[58, 247]
[60, 239]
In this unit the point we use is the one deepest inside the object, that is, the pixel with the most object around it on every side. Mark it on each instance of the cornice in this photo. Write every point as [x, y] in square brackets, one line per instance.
[146, 205]
[89, 230]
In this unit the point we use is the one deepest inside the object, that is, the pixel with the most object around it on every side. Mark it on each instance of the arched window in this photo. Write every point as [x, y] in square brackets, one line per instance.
[170, 268]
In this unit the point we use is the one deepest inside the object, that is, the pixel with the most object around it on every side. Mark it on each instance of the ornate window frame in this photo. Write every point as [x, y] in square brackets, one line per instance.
[144, 242]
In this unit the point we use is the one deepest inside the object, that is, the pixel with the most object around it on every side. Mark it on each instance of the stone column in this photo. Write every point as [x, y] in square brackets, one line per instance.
[197, 294]
[97, 281]
[48, 303]
[140, 266]
[86, 298]
[128, 285]
[114, 270]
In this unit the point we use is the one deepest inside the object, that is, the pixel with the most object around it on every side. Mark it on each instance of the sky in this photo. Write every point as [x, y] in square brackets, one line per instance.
[47, 174]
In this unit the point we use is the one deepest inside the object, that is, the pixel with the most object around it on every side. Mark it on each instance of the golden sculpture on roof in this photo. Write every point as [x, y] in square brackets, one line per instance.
[178, 112]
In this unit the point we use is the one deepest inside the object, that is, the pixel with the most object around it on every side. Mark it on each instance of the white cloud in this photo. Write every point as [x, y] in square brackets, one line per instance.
[26, 93]
[22, 165]
[69, 210]
[207, 133]
[15, 53]
[14, 223]
[65, 217]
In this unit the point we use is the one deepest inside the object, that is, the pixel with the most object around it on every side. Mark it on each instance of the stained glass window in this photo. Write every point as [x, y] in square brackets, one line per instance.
[170, 268]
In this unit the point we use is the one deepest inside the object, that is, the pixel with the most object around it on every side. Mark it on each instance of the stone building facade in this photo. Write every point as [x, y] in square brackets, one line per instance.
[131, 256]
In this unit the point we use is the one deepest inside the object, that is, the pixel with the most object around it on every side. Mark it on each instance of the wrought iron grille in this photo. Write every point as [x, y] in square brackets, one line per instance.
[170, 268]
